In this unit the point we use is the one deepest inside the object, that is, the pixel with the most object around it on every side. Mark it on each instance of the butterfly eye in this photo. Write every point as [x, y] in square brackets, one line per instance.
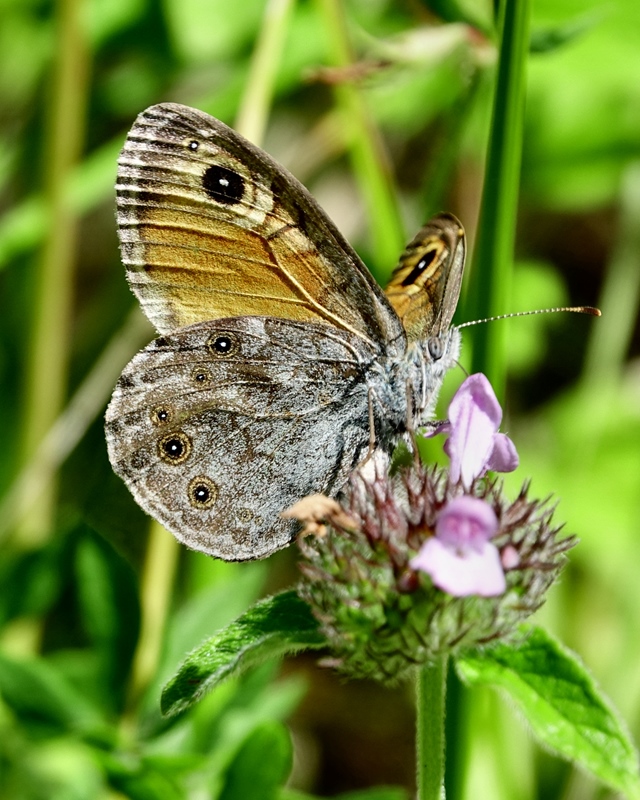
[223, 344]
[174, 448]
[223, 185]
[436, 350]
[203, 492]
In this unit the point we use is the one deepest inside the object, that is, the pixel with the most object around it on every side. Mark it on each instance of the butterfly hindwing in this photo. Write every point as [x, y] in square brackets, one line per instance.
[218, 428]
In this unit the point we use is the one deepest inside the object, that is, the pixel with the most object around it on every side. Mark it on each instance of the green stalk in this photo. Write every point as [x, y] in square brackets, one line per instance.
[52, 297]
[156, 586]
[489, 289]
[370, 163]
[430, 739]
[490, 284]
[253, 113]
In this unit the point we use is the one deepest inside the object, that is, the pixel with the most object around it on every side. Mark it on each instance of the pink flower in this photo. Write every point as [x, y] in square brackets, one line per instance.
[474, 444]
[460, 559]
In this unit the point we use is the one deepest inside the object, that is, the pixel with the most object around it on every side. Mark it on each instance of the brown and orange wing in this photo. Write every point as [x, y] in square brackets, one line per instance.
[425, 286]
[210, 226]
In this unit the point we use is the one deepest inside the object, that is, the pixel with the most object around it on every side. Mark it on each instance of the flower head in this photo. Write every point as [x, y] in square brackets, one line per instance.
[423, 562]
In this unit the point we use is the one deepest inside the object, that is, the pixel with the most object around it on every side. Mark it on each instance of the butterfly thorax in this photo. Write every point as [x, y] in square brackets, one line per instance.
[404, 387]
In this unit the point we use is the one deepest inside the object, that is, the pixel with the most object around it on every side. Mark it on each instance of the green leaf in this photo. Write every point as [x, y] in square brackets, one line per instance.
[141, 780]
[561, 702]
[109, 609]
[43, 698]
[261, 765]
[274, 626]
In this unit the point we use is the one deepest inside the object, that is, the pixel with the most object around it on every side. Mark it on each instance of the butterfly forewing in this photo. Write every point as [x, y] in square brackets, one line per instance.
[425, 286]
[211, 227]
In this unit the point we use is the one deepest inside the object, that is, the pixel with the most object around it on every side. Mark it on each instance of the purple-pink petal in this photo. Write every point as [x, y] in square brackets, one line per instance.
[471, 439]
[475, 572]
[474, 444]
[504, 456]
[466, 522]
[477, 390]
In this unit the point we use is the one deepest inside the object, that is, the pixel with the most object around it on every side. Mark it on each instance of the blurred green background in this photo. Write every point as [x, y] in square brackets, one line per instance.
[382, 108]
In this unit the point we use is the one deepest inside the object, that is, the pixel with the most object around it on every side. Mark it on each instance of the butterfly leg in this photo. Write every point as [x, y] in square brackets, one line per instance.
[372, 428]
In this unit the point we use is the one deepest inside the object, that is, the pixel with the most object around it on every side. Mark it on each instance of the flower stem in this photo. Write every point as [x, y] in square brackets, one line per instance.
[430, 713]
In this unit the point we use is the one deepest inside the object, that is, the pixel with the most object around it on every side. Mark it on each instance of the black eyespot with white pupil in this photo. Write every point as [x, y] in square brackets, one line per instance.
[160, 415]
[193, 145]
[223, 185]
[223, 344]
[416, 272]
[201, 375]
[202, 492]
[174, 448]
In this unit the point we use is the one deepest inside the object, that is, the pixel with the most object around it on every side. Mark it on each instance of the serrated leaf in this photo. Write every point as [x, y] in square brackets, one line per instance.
[261, 765]
[274, 626]
[561, 702]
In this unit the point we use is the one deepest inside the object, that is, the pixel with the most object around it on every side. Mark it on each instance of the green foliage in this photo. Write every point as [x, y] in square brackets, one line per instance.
[79, 704]
[561, 702]
[275, 626]
[261, 765]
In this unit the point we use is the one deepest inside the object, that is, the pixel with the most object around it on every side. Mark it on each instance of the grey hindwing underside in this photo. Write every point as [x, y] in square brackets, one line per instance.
[218, 428]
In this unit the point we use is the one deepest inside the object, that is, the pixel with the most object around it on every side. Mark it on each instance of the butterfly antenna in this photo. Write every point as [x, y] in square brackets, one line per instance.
[594, 312]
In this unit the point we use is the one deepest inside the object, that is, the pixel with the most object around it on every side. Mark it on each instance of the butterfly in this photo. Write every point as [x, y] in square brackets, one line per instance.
[281, 365]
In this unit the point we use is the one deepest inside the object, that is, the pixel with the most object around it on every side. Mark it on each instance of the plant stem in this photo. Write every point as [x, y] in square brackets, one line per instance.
[255, 105]
[368, 156]
[490, 285]
[46, 371]
[156, 585]
[430, 715]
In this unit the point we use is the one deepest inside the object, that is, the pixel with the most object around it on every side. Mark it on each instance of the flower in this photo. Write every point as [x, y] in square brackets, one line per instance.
[460, 559]
[474, 445]
[404, 567]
